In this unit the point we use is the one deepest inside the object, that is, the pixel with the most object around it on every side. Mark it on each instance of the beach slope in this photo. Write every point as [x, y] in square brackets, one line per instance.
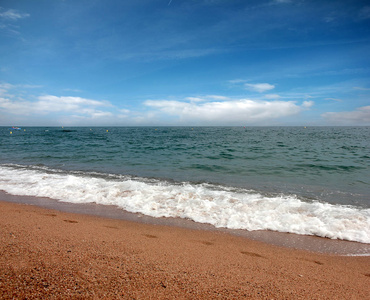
[51, 254]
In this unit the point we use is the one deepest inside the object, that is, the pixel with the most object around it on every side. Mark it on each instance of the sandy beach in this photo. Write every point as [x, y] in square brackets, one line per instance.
[53, 254]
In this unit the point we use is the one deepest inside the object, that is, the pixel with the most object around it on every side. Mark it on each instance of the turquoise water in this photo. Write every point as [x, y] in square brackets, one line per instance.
[327, 165]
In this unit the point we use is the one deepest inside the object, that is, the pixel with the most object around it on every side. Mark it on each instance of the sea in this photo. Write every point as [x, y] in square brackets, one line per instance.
[303, 180]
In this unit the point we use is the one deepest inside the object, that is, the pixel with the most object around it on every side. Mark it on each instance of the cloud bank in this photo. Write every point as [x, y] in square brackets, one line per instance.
[19, 107]
[51, 104]
[204, 110]
[233, 112]
[360, 116]
[48, 109]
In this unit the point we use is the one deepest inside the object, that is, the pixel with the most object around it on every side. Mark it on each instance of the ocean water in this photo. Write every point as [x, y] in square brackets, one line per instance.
[310, 181]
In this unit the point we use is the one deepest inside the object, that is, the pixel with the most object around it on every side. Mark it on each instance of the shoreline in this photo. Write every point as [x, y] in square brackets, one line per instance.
[50, 253]
[287, 240]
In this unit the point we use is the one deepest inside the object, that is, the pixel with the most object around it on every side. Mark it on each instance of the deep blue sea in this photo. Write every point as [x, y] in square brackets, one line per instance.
[312, 181]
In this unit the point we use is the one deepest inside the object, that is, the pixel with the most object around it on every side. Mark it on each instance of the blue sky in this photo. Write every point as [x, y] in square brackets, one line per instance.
[184, 62]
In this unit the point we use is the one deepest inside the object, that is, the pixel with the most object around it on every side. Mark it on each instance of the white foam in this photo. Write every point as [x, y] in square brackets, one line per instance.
[202, 203]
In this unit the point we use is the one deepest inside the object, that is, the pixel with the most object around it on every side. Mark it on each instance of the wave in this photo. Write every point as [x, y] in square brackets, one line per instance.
[226, 207]
[332, 167]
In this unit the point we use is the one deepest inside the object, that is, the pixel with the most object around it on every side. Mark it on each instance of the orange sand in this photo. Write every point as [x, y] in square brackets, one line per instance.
[50, 254]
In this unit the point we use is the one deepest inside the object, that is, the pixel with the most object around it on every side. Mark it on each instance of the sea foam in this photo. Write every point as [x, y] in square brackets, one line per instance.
[205, 203]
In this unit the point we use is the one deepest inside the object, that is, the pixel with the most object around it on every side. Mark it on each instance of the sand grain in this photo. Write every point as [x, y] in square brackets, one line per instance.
[47, 253]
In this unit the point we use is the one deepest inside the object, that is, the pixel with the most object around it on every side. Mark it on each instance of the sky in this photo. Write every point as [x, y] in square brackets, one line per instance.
[184, 63]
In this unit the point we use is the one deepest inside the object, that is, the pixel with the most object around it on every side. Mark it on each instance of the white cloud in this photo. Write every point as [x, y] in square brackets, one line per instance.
[217, 97]
[254, 87]
[25, 109]
[50, 109]
[259, 87]
[124, 111]
[7, 19]
[52, 104]
[233, 112]
[207, 97]
[360, 116]
[12, 14]
[195, 99]
[361, 88]
[272, 96]
[236, 81]
[19, 107]
[307, 104]
[100, 114]
[6, 85]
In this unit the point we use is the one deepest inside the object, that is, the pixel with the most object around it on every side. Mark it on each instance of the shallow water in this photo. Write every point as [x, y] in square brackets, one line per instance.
[313, 181]
[302, 242]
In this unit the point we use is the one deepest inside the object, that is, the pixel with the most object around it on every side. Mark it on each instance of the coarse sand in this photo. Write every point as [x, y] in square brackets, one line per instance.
[48, 254]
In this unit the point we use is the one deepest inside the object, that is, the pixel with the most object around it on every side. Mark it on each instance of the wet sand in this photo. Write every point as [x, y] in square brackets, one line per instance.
[304, 242]
[47, 253]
